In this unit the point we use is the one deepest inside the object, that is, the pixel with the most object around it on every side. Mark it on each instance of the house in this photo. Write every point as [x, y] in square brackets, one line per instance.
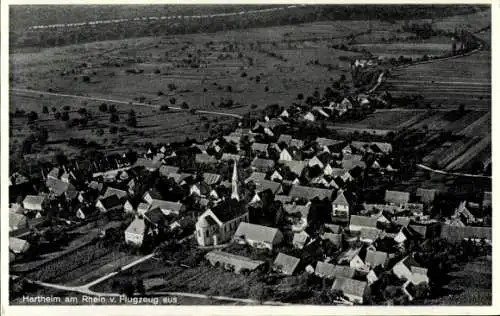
[143, 208]
[340, 206]
[369, 235]
[303, 210]
[211, 178]
[486, 200]
[204, 159]
[258, 236]
[112, 191]
[300, 239]
[232, 262]
[34, 202]
[263, 185]
[285, 139]
[168, 207]
[295, 166]
[326, 142]
[128, 207]
[151, 195]
[352, 258]
[325, 270]
[309, 117]
[17, 221]
[285, 113]
[285, 155]
[426, 196]
[314, 161]
[284, 199]
[108, 204]
[396, 197]
[285, 264]
[148, 164]
[276, 176]
[309, 193]
[135, 232]
[409, 269]
[376, 259]
[458, 233]
[18, 246]
[259, 148]
[83, 213]
[359, 222]
[262, 165]
[356, 291]
[296, 143]
[217, 225]
[199, 189]
[256, 177]
[166, 170]
[230, 157]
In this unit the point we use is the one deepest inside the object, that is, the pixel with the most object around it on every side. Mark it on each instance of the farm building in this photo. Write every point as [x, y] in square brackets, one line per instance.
[232, 262]
[356, 291]
[34, 202]
[458, 233]
[309, 193]
[258, 236]
[359, 222]
[285, 264]
[396, 197]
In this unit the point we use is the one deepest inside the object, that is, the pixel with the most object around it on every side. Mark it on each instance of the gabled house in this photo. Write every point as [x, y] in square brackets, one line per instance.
[263, 185]
[340, 206]
[212, 178]
[204, 159]
[258, 236]
[151, 195]
[352, 257]
[285, 264]
[369, 235]
[396, 197]
[262, 165]
[166, 170]
[309, 116]
[17, 221]
[168, 207]
[309, 193]
[260, 149]
[112, 191]
[217, 225]
[295, 166]
[315, 161]
[376, 259]
[135, 232]
[426, 196]
[34, 202]
[276, 176]
[108, 204]
[142, 208]
[285, 155]
[256, 177]
[148, 164]
[359, 222]
[18, 246]
[410, 270]
[300, 239]
[356, 291]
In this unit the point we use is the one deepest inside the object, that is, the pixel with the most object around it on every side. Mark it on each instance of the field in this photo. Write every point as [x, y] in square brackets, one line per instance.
[470, 285]
[447, 83]
[409, 49]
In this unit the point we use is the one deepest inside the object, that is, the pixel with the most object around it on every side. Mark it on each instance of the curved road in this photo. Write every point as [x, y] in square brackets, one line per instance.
[154, 106]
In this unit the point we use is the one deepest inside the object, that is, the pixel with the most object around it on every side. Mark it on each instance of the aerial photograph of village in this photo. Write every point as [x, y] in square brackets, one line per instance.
[237, 154]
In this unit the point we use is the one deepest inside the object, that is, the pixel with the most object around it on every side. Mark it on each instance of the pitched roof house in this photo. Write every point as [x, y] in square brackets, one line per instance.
[426, 195]
[34, 202]
[205, 159]
[18, 246]
[295, 166]
[396, 197]
[356, 291]
[359, 222]
[262, 165]
[168, 207]
[258, 236]
[309, 193]
[410, 270]
[376, 258]
[134, 234]
[286, 264]
[108, 204]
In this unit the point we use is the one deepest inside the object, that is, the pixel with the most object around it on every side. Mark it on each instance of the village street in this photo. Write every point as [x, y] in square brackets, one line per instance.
[453, 173]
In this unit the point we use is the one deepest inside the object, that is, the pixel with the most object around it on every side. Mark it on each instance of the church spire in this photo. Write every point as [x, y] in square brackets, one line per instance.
[234, 183]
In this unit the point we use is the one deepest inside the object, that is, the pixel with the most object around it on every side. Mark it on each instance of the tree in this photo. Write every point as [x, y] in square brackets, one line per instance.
[66, 108]
[132, 120]
[32, 116]
[112, 108]
[172, 101]
[461, 108]
[164, 107]
[184, 105]
[100, 132]
[57, 115]
[114, 118]
[45, 109]
[65, 116]
[103, 107]
[300, 96]
[113, 129]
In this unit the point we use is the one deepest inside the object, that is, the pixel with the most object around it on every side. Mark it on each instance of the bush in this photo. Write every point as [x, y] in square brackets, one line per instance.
[114, 118]
[32, 116]
[113, 129]
[57, 115]
[103, 107]
[65, 116]
[45, 109]
[100, 132]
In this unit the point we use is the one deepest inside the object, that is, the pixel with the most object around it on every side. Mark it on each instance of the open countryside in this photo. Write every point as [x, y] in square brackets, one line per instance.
[251, 155]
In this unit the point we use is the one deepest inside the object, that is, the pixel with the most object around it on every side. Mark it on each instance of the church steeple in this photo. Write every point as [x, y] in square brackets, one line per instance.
[234, 183]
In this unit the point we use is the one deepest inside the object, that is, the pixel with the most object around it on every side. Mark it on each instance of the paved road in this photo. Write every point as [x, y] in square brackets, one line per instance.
[81, 97]
[453, 173]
